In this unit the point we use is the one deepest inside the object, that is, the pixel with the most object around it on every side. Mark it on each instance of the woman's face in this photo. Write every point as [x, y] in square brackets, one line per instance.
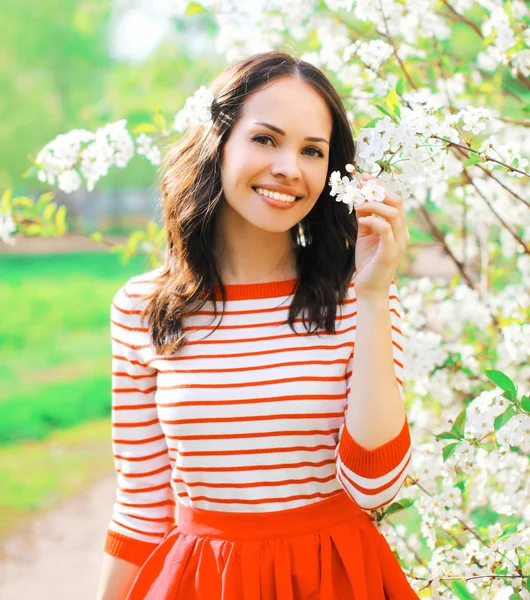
[279, 144]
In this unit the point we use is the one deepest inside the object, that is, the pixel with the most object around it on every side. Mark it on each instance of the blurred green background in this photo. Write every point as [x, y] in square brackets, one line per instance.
[55, 376]
[82, 64]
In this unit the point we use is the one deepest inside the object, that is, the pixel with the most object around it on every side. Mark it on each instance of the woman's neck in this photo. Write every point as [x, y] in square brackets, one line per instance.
[246, 255]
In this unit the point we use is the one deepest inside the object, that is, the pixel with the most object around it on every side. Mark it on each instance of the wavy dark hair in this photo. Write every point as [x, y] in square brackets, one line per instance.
[324, 240]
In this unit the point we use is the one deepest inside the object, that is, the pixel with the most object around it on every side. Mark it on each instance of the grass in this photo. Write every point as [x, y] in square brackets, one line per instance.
[55, 328]
[60, 466]
[55, 379]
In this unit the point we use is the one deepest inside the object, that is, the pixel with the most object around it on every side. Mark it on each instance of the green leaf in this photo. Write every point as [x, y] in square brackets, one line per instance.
[46, 197]
[398, 506]
[372, 123]
[6, 196]
[488, 40]
[145, 128]
[392, 101]
[134, 239]
[30, 172]
[445, 62]
[448, 435]
[461, 591]
[33, 229]
[383, 110]
[525, 403]
[49, 211]
[508, 8]
[152, 229]
[23, 201]
[503, 381]
[461, 485]
[432, 73]
[60, 219]
[160, 121]
[474, 159]
[399, 86]
[501, 570]
[455, 280]
[459, 424]
[194, 8]
[508, 530]
[392, 98]
[502, 419]
[449, 450]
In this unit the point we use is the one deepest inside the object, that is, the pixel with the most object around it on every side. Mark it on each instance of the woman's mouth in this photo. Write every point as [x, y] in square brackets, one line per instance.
[276, 199]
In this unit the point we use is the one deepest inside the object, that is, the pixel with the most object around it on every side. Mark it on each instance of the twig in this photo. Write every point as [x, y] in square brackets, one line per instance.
[474, 533]
[514, 234]
[486, 156]
[439, 235]
[392, 43]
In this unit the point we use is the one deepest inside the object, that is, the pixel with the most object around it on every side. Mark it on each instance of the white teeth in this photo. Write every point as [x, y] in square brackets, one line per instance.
[276, 195]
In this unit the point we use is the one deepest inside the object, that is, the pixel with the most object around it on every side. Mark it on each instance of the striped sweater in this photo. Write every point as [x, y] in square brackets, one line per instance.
[249, 417]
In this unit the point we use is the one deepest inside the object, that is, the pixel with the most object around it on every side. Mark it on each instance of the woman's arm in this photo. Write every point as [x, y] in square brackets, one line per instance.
[144, 505]
[374, 450]
[117, 576]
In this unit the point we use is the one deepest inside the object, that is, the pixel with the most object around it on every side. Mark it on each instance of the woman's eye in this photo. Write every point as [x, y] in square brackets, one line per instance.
[318, 152]
[261, 137]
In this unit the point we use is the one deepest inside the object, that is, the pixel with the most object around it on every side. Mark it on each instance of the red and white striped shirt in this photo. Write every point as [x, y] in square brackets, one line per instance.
[249, 417]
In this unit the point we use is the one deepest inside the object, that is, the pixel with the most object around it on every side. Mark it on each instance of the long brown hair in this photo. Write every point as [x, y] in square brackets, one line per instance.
[324, 240]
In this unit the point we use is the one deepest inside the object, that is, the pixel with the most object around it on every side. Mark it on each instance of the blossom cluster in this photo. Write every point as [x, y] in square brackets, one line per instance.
[353, 193]
[197, 110]
[84, 153]
[489, 470]
[146, 147]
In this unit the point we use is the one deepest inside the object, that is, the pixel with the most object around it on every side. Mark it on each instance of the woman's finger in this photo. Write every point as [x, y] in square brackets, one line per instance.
[391, 215]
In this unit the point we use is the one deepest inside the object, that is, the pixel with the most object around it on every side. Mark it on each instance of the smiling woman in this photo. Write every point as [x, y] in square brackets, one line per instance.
[251, 235]
[238, 429]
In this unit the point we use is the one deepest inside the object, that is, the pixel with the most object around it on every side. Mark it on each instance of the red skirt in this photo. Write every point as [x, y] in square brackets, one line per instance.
[328, 550]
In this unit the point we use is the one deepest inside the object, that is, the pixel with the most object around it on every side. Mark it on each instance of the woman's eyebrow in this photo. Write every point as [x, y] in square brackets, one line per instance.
[282, 132]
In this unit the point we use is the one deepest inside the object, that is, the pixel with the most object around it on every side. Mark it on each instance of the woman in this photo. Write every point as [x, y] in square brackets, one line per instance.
[241, 473]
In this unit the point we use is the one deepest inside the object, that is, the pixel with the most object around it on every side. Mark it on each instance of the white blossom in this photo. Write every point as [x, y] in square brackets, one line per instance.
[145, 147]
[521, 63]
[197, 110]
[475, 119]
[69, 181]
[373, 54]
[348, 191]
[7, 227]
[92, 153]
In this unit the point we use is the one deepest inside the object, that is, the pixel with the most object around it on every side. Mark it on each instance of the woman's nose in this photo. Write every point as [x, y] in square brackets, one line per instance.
[286, 164]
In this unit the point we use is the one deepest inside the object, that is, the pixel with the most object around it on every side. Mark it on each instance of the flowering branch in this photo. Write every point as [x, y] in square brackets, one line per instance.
[466, 527]
[394, 49]
[485, 157]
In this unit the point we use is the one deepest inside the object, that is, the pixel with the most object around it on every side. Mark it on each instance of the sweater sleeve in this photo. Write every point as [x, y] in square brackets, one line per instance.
[143, 510]
[372, 478]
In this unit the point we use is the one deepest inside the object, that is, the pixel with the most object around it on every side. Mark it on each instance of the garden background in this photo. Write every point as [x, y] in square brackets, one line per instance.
[82, 64]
